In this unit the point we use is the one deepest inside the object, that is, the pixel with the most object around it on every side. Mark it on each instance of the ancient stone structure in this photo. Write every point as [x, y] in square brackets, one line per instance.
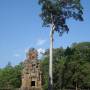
[31, 74]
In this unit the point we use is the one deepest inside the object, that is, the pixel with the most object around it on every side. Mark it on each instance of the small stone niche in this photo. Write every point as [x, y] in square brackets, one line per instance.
[32, 83]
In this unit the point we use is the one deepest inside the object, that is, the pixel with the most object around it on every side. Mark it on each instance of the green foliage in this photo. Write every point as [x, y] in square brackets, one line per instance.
[71, 67]
[44, 68]
[56, 12]
[81, 45]
[10, 77]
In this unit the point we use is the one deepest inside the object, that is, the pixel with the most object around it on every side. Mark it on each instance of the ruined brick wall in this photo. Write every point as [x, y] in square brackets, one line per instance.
[31, 74]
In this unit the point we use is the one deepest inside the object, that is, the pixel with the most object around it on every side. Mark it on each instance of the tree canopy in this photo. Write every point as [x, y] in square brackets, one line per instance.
[71, 67]
[10, 77]
[56, 12]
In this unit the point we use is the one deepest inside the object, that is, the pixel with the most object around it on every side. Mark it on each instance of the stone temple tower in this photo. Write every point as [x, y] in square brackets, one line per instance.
[31, 74]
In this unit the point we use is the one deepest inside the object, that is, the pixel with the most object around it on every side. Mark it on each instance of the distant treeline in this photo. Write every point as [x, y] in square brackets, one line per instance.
[71, 69]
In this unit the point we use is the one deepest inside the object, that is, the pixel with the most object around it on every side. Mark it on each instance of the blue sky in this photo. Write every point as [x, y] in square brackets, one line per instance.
[21, 28]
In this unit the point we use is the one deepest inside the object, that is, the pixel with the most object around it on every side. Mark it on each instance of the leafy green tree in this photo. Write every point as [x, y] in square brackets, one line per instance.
[55, 13]
[44, 69]
[81, 45]
[75, 72]
[10, 77]
[71, 68]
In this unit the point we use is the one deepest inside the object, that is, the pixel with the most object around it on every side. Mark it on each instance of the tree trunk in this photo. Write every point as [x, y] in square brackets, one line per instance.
[51, 60]
[76, 86]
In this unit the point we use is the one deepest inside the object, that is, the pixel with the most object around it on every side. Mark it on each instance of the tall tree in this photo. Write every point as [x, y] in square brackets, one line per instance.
[55, 13]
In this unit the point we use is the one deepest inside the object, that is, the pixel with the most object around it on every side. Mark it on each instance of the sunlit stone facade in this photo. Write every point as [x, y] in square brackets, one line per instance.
[31, 74]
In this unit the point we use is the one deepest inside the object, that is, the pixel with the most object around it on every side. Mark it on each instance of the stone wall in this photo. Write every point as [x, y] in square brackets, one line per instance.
[31, 74]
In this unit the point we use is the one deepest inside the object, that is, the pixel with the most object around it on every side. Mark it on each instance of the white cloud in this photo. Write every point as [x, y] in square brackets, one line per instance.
[40, 52]
[16, 55]
[41, 42]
